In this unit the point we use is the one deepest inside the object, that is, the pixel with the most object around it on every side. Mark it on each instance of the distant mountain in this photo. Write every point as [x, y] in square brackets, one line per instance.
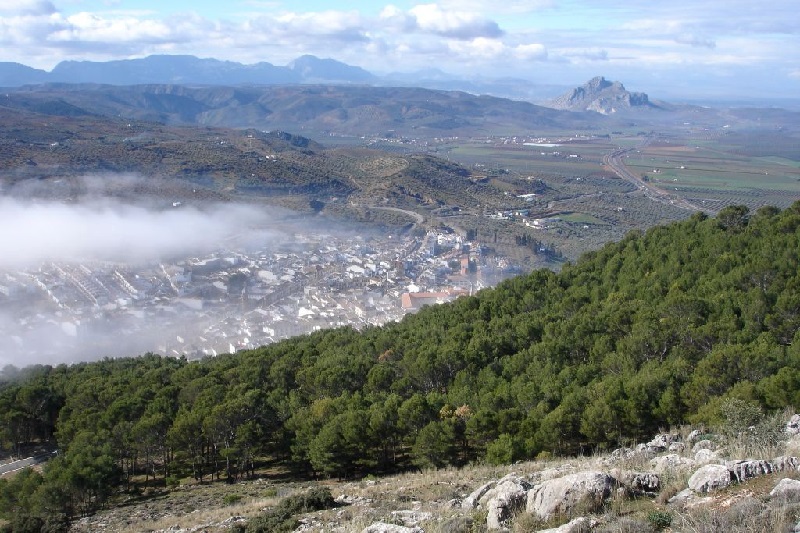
[171, 69]
[340, 109]
[16, 74]
[313, 69]
[307, 69]
[601, 96]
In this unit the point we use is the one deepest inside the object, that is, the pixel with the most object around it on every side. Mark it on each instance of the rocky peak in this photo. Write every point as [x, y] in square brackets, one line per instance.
[601, 96]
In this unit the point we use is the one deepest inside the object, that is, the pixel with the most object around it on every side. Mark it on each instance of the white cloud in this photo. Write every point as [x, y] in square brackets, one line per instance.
[453, 24]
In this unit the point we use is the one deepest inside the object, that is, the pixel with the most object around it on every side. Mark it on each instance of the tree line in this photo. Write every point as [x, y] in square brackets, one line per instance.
[653, 331]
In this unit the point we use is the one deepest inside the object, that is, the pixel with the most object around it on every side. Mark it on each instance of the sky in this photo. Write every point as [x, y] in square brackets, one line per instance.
[680, 48]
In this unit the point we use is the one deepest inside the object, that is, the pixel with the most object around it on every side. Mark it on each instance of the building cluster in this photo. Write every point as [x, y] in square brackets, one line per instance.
[232, 299]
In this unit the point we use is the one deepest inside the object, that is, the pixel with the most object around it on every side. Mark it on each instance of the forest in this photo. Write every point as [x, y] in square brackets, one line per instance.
[651, 332]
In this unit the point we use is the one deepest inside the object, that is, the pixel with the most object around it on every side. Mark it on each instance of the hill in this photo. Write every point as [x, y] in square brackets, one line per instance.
[312, 109]
[49, 145]
[601, 96]
[662, 328]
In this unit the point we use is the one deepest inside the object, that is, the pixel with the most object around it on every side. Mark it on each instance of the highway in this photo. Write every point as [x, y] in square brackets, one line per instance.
[615, 162]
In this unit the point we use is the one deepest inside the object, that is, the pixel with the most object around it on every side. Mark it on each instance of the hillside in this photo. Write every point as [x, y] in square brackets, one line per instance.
[663, 328]
[47, 151]
[343, 110]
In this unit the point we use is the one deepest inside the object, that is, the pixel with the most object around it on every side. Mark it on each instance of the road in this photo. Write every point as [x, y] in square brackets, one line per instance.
[23, 463]
[615, 162]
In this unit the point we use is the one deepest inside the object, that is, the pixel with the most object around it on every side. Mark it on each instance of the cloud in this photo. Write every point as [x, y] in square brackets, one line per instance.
[696, 41]
[27, 7]
[461, 25]
[106, 231]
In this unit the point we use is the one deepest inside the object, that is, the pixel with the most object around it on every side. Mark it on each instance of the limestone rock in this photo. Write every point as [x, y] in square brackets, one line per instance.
[562, 495]
[694, 436]
[638, 483]
[748, 469]
[471, 501]
[411, 518]
[784, 463]
[793, 425]
[705, 456]
[710, 477]
[662, 441]
[786, 487]
[704, 444]
[509, 496]
[677, 447]
[383, 527]
[578, 525]
[672, 461]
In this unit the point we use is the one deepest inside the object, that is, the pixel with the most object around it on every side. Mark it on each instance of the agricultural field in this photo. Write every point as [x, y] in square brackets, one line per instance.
[750, 168]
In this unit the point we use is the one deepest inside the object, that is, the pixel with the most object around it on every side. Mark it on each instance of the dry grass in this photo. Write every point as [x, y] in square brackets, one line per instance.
[742, 507]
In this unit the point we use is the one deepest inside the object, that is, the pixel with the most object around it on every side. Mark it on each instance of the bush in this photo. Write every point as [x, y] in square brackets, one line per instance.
[230, 499]
[281, 517]
[659, 519]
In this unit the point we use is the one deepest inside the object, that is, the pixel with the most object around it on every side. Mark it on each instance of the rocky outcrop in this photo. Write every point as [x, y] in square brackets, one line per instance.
[471, 501]
[383, 527]
[748, 469]
[638, 483]
[671, 462]
[507, 498]
[601, 96]
[710, 477]
[578, 525]
[786, 487]
[793, 425]
[561, 496]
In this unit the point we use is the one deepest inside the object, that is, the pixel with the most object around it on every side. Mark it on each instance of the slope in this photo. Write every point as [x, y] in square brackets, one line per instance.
[653, 331]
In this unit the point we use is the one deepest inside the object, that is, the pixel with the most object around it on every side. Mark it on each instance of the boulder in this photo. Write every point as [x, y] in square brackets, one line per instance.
[638, 483]
[619, 455]
[508, 497]
[784, 463]
[677, 447]
[704, 444]
[694, 436]
[710, 477]
[748, 469]
[383, 527]
[793, 425]
[670, 462]
[705, 456]
[648, 451]
[786, 487]
[562, 495]
[662, 441]
[471, 501]
[578, 525]
[411, 518]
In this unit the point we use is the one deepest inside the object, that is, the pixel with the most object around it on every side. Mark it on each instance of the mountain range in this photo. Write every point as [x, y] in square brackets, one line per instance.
[307, 69]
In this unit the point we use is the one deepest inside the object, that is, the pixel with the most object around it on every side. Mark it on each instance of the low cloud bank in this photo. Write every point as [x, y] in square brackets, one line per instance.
[33, 232]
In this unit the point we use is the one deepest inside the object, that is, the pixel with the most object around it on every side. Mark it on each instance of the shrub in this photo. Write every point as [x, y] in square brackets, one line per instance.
[659, 519]
[281, 517]
[230, 499]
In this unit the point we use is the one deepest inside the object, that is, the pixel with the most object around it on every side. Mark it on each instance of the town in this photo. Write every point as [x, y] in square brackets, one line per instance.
[234, 298]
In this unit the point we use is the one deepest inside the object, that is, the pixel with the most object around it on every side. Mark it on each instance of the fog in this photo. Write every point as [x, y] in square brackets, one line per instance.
[33, 232]
[38, 237]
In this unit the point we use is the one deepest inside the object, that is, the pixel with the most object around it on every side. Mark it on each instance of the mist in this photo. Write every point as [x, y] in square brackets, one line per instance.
[39, 236]
[34, 232]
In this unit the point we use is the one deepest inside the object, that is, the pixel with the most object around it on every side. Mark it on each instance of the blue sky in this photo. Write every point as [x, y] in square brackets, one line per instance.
[681, 48]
